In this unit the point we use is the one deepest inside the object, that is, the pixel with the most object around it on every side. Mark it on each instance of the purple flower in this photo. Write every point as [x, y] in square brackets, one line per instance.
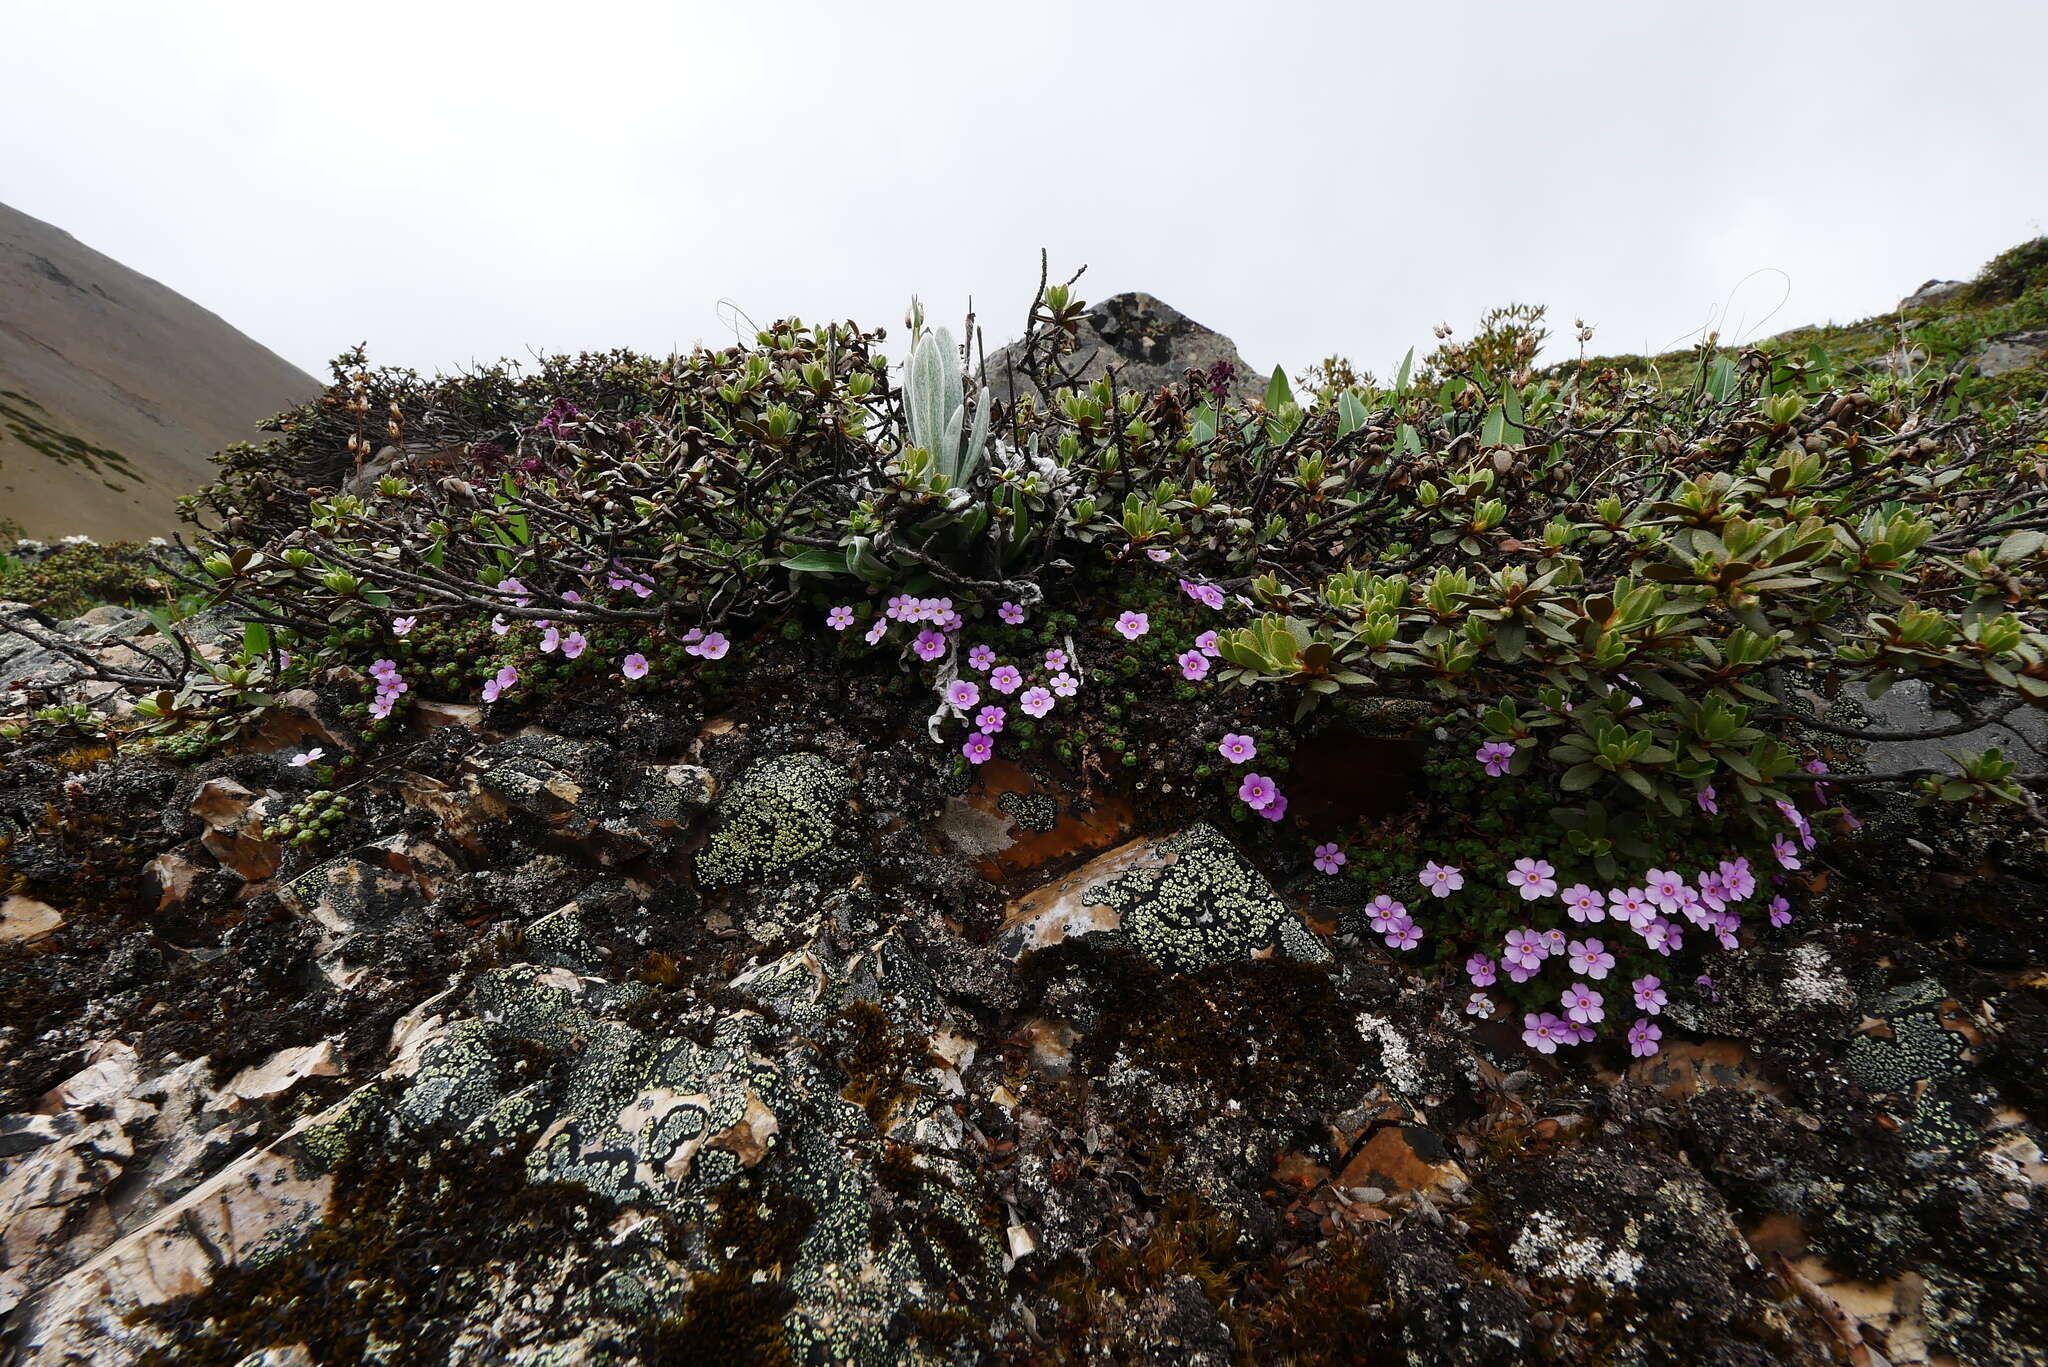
[929, 645]
[1524, 949]
[1783, 848]
[1533, 877]
[962, 694]
[1006, 679]
[1581, 903]
[1011, 613]
[1405, 935]
[1649, 993]
[1544, 1032]
[1158, 555]
[1705, 797]
[1383, 913]
[991, 719]
[1591, 958]
[1643, 1037]
[1275, 809]
[1194, 665]
[495, 686]
[878, 630]
[1705, 983]
[1553, 942]
[981, 657]
[1663, 936]
[1736, 877]
[1237, 749]
[634, 666]
[573, 645]
[1664, 888]
[1208, 595]
[1257, 791]
[1442, 879]
[550, 639]
[1055, 660]
[1132, 625]
[1329, 858]
[1036, 702]
[499, 626]
[839, 618]
[1206, 643]
[1583, 1004]
[712, 647]
[1480, 1005]
[1481, 970]
[1781, 912]
[901, 607]
[401, 626]
[514, 587]
[1496, 755]
[301, 761]
[1065, 684]
[978, 748]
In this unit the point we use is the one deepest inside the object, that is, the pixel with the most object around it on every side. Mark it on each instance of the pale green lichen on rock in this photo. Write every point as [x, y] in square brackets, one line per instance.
[1209, 906]
[781, 812]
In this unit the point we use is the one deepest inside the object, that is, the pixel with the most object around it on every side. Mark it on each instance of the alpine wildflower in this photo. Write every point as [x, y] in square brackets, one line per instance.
[1382, 912]
[929, 645]
[634, 666]
[301, 761]
[1643, 1037]
[962, 694]
[978, 748]
[495, 686]
[1132, 625]
[1581, 903]
[1583, 1004]
[1238, 749]
[1524, 949]
[1006, 679]
[1591, 958]
[1705, 797]
[1206, 643]
[1442, 879]
[1257, 791]
[1781, 912]
[1328, 858]
[991, 718]
[1784, 849]
[1158, 555]
[839, 618]
[549, 640]
[1065, 685]
[1496, 755]
[573, 645]
[1533, 877]
[1055, 660]
[1036, 702]
[712, 647]
[1011, 613]
[403, 625]
[1405, 935]
[980, 658]
[1481, 970]
[1194, 665]
[1275, 809]
[1480, 1005]
[1649, 993]
[1543, 1032]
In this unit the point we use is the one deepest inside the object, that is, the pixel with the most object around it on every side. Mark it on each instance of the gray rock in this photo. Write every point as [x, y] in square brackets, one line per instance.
[1146, 341]
[1907, 707]
[2010, 351]
[1933, 292]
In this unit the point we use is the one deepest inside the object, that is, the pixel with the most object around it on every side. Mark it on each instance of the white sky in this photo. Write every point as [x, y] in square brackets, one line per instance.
[454, 183]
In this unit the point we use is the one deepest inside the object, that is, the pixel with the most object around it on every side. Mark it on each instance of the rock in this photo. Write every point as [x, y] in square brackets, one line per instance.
[1908, 706]
[1146, 341]
[24, 920]
[1185, 901]
[173, 875]
[1933, 292]
[576, 790]
[2010, 351]
[283, 1070]
[782, 812]
[234, 828]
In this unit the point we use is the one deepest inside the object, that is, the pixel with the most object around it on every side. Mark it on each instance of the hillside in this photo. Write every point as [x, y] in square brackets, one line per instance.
[115, 391]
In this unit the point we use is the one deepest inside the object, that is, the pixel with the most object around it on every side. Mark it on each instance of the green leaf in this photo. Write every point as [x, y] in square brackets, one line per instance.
[1351, 414]
[1401, 375]
[1495, 427]
[1580, 777]
[255, 638]
[817, 561]
[1277, 391]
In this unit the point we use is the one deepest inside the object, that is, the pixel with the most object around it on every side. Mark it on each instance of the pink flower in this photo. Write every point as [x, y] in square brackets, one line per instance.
[1275, 809]
[1664, 888]
[978, 748]
[1132, 625]
[1783, 848]
[1011, 613]
[1237, 749]
[1481, 970]
[1533, 877]
[1383, 913]
[1583, 1004]
[962, 694]
[1496, 755]
[573, 645]
[1208, 595]
[1737, 878]
[1006, 679]
[1257, 791]
[1065, 684]
[1663, 937]
[1581, 903]
[1329, 858]
[712, 647]
[513, 586]
[1524, 949]
[1442, 879]
[1406, 935]
[1705, 797]
[549, 640]
[839, 618]
[1591, 958]
[301, 761]
[634, 666]
[929, 645]
[499, 626]
[495, 686]
[1553, 942]
[1643, 1037]
[900, 608]
[1649, 994]
[1206, 643]
[1036, 702]
[1544, 1032]
[991, 719]
[1480, 1005]
[1055, 660]
[878, 630]
[1194, 665]
[1159, 555]
[1628, 904]
[1781, 912]
[981, 657]
[403, 625]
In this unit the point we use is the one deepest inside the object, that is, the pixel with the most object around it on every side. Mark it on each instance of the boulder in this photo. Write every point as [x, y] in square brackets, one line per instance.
[1145, 341]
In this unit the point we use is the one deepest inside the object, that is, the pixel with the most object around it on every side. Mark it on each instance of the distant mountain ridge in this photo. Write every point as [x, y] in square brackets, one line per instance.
[115, 390]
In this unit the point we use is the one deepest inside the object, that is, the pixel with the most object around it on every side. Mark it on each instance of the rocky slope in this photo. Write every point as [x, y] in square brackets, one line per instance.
[115, 391]
[707, 1029]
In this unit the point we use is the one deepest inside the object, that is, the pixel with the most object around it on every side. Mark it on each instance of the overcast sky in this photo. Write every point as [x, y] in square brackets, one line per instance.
[457, 182]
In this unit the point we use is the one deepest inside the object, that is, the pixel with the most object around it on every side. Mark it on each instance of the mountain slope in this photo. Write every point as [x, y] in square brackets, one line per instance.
[114, 390]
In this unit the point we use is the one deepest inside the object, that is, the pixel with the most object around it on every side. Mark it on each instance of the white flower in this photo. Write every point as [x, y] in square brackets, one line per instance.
[301, 761]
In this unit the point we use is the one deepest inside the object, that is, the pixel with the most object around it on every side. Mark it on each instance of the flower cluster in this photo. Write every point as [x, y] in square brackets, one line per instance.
[390, 684]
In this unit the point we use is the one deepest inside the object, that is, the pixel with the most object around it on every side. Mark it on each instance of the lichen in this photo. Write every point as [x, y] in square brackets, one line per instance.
[781, 812]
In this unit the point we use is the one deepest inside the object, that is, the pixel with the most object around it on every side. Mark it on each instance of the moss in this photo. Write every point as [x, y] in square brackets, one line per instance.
[736, 1315]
